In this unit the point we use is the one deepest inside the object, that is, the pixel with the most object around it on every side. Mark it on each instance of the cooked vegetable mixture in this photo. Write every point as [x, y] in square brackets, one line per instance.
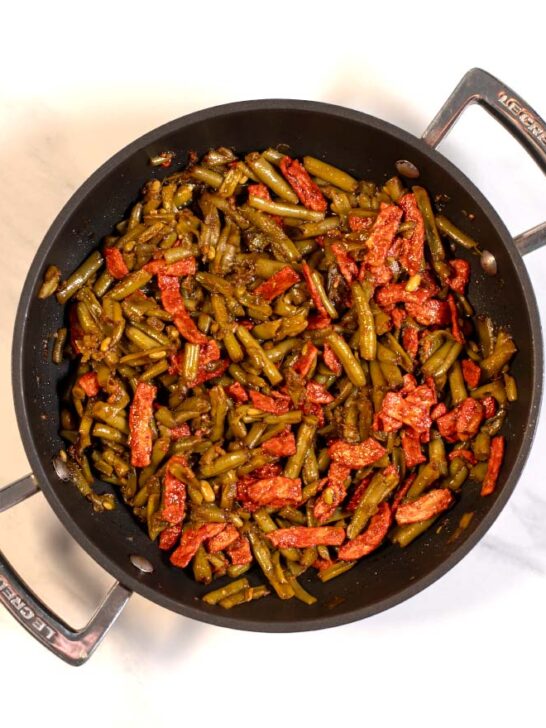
[276, 363]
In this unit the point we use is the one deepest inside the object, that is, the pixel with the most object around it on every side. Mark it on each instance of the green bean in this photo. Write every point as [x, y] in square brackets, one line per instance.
[304, 442]
[108, 433]
[352, 367]
[313, 229]
[457, 384]
[319, 285]
[449, 360]
[281, 245]
[493, 363]
[404, 535]
[80, 277]
[494, 389]
[455, 481]
[226, 462]
[330, 174]
[427, 475]
[285, 209]
[448, 228]
[202, 571]
[336, 569]
[437, 453]
[247, 594]
[267, 174]
[217, 595]
[486, 334]
[300, 593]
[253, 346]
[431, 231]
[52, 278]
[59, 342]
[379, 488]
[266, 267]
[219, 410]
[263, 557]
[202, 174]
[510, 387]
[131, 283]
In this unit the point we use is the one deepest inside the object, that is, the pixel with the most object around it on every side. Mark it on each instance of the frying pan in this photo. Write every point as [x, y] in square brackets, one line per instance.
[368, 148]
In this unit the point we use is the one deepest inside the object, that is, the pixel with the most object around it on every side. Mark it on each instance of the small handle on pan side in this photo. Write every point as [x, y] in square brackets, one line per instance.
[480, 87]
[73, 646]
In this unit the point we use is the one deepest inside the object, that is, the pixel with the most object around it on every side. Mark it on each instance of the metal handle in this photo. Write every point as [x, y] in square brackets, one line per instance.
[73, 646]
[480, 87]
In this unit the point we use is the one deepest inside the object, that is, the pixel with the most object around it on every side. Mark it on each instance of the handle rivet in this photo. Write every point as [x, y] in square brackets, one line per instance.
[406, 169]
[488, 263]
[141, 563]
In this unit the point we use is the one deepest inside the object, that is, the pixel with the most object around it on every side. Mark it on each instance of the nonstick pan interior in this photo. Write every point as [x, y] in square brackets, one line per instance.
[368, 148]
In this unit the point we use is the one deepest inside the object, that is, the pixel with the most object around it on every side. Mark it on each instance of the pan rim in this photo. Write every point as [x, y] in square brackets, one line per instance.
[135, 583]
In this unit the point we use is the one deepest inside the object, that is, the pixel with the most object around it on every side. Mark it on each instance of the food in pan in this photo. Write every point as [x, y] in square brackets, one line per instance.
[276, 363]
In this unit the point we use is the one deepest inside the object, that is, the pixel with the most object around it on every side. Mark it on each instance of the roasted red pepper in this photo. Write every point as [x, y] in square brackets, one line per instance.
[455, 328]
[358, 492]
[489, 406]
[278, 491]
[239, 552]
[471, 373]
[430, 313]
[313, 291]
[282, 445]
[173, 506]
[372, 537]
[331, 360]
[402, 492]
[467, 455]
[345, 262]
[357, 223]
[184, 267]
[171, 299]
[90, 384]
[278, 405]
[222, 540]
[382, 235]
[412, 410]
[469, 418]
[357, 455]
[304, 537]
[140, 414]
[411, 445]
[180, 431]
[277, 284]
[494, 463]
[459, 281]
[306, 360]
[412, 257]
[237, 392]
[398, 316]
[410, 340]
[191, 539]
[427, 506]
[115, 263]
[336, 489]
[307, 191]
[259, 190]
[169, 536]
[317, 393]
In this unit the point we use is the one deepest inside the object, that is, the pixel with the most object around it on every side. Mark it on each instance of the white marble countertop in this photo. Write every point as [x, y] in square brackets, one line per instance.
[468, 648]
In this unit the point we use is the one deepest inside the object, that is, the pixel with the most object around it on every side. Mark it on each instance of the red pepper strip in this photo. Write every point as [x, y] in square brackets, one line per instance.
[494, 463]
[337, 485]
[345, 262]
[282, 445]
[489, 406]
[412, 448]
[413, 410]
[379, 275]
[307, 191]
[269, 470]
[394, 293]
[184, 267]
[223, 539]
[321, 564]
[181, 431]
[398, 316]
[191, 539]
[357, 223]
[279, 282]
[318, 321]
[430, 313]
[427, 506]
[259, 190]
[358, 492]
[410, 384]
[471, 373]
[459, 281]
[115, 263]
[312, 408]
[402, 492]
[90, 384]
[171, 299]
[169, 536]
[467, 455]
[272, 491]
[239, 552]
[357, 455]
[412, 257]
[317, 393]
[410, 340]
[382, 235]
[372, 537]
[174, 494]
[438, 411]
[304, 536]
[455, 328]
[314, 292]
[447, 425]
[304, 363]
[331, 360]
[237, 392]
[140, 414]
[277, 406]
[469, 418]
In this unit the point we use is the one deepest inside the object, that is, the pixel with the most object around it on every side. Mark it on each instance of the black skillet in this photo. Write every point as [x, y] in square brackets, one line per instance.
[368, 148]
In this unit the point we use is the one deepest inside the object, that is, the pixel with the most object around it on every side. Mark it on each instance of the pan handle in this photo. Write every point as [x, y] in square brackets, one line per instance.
[480, 87]
[73, 646]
